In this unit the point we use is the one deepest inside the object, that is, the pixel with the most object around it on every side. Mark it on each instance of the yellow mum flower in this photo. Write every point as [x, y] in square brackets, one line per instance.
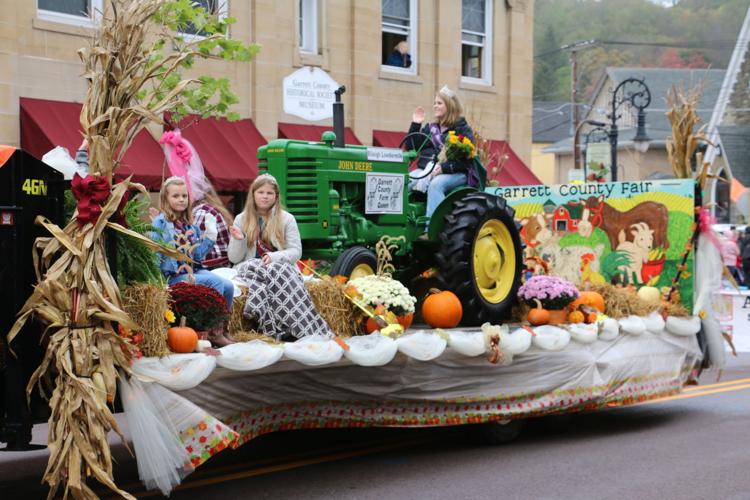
[466, 140]
[169, 316]
[453, 139]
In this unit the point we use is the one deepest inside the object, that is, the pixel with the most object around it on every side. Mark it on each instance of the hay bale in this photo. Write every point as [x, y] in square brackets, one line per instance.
[341, 315]
[620, 302]
[237, 322]
[146, 304]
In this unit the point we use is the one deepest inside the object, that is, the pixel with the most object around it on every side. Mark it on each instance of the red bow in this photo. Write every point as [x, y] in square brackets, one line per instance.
[91, 193]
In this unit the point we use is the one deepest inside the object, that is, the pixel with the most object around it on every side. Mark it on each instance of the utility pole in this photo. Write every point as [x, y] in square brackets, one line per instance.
[575, 119]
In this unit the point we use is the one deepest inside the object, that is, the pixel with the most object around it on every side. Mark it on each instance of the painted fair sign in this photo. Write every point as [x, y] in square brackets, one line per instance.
[612, 232]
[309, 94]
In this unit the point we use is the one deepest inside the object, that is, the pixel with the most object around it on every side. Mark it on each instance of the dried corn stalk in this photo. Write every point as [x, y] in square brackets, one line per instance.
[383, 249]
[683, 117]
[129, 86]
[80, 303]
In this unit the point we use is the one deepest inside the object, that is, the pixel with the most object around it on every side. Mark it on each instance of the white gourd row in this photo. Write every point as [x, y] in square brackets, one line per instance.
[185, 371]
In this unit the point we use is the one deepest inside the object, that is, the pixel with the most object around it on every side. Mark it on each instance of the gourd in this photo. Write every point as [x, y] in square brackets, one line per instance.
[182, 338]
[442, 309]
[649, 294]
[538, 315]
[589, 298]
[576, 317]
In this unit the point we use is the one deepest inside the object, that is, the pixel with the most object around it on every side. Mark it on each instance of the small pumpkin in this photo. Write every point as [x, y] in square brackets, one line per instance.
[576, 317]
[442, 309]
[589, 298]
[591, 317]
[649, 294]
[182, 338]
[538, 315]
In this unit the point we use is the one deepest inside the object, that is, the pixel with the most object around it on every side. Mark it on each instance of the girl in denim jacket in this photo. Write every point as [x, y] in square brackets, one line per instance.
[174, 227]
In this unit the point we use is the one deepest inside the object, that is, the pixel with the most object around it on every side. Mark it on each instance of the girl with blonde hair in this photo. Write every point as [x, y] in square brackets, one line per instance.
[444, 175]
[174, 227]
[264, 230]
[265, 247]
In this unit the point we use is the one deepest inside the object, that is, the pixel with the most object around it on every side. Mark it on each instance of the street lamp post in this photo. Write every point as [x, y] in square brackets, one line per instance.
[635, 92]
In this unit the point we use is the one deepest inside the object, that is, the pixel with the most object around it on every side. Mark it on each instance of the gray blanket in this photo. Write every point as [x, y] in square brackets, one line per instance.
[278, 302]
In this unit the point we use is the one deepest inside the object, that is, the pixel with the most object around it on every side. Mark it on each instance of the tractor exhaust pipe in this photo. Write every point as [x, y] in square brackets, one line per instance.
[338, 117]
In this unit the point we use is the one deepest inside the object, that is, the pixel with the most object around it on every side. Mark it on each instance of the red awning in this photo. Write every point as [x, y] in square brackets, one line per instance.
[387, 139]
[312, 133]
[46, 124]
[228, 150]
[514, 172]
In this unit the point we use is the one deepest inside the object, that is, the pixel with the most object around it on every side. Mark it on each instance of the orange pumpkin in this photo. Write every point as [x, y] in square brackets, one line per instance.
[587, 298]
[538, 315]
[576, 317]
[182, 338]
[442, 309]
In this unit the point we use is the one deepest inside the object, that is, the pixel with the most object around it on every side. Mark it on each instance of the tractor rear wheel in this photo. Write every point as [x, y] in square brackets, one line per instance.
[481, 257]
[355, 262]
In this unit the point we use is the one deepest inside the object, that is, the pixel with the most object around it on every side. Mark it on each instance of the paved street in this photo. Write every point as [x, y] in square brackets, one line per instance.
[693, 446]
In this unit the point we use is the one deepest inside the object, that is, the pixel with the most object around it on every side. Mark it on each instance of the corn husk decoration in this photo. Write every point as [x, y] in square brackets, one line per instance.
[76, 296]
[683, 118]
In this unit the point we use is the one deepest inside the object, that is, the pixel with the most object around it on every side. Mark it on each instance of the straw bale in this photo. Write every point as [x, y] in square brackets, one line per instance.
[146, 304]
[341, 315]
[620, 302]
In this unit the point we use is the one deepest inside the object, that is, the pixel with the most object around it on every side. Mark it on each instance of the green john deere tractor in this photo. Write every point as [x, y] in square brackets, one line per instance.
[345, 198]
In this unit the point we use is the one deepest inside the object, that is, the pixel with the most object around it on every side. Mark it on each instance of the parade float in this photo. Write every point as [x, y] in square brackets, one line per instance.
[606, 302]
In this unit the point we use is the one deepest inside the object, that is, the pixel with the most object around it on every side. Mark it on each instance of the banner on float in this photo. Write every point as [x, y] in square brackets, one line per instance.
[613, 232]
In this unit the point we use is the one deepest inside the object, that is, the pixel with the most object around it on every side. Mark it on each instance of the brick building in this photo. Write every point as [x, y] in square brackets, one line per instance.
[481, 48]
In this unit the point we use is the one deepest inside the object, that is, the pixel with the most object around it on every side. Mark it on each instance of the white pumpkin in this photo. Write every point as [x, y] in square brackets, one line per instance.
[649, 294]
[609, 329]
[516, 342]
[683, 326]
[654, 322]
[633, 325]
[583, 333]
[551, 338]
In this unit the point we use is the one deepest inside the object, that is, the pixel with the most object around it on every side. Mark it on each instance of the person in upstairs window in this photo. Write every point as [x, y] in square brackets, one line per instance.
[400, 56]
[446, 175]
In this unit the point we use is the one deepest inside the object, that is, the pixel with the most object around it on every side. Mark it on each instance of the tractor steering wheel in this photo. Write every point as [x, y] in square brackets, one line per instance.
[426, 139]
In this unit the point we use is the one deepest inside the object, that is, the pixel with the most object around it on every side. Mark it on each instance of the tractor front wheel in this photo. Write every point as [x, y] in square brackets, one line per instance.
[481, 257]
[355, 262]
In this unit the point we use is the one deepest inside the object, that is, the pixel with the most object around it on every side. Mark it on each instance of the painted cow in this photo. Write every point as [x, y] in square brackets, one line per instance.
[610, 220]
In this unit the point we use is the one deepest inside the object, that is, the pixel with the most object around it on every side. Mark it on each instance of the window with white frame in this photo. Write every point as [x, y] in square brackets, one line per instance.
[308, 26]
[399, 35]
[213, 8]
[476, 40]
[76, 12]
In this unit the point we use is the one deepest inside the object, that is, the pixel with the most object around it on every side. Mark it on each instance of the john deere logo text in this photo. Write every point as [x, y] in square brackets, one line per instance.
[361, 166]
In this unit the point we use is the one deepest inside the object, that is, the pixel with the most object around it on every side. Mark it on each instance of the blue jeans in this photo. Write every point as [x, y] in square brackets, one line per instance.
[211, 280]
[440, 185]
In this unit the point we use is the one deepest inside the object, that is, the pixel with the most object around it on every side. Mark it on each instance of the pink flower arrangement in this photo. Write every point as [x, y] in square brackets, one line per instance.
[551, 291]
